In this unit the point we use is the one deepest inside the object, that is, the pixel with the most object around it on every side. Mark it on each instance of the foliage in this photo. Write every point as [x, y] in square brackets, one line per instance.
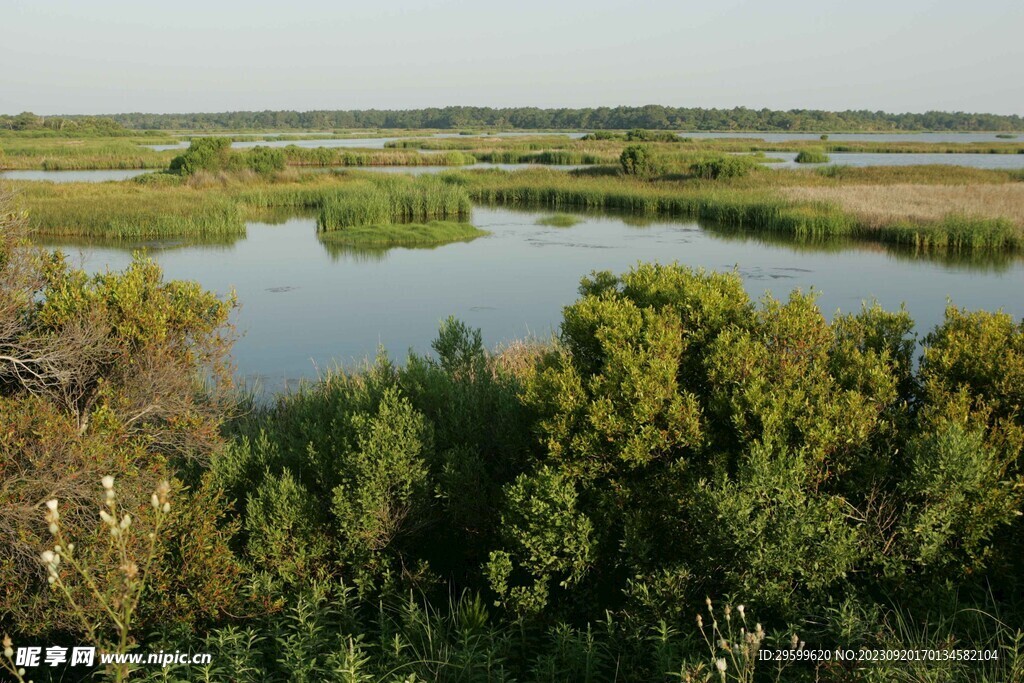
[650, 116]
[636, 161]
[812, 156]
[212, 154]
[723, 167]
[118, 374]
[556, 511]
[394, 200]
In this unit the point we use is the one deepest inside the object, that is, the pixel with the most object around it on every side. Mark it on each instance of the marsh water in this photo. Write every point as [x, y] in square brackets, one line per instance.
[989, 161]
[87, 176]
[305, 306]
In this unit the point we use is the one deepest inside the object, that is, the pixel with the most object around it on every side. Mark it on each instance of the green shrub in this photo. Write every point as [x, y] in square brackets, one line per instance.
[635, 160]
[203, 154]
[812, 156]
[715, 168]
[214, 154]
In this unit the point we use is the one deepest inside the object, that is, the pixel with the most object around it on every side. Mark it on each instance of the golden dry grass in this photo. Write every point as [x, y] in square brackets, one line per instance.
[880, 205]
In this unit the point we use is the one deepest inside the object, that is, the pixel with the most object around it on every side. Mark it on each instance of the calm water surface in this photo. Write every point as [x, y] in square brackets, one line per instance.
[863, 137]
[305, 306]
[88, 176]
[989, 161]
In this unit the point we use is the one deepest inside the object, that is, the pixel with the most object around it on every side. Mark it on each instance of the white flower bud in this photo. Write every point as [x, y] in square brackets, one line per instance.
[52, 504]
[108, 482]
[8, 652]
[166, 508]
[126, 521]
[107, 518]
[155, 500]
[720, 665]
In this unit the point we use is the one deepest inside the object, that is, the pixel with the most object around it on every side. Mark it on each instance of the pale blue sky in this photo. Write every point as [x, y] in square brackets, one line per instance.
[106, 56]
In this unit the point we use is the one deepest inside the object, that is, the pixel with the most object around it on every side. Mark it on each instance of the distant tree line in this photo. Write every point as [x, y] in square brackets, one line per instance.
[650, 117]
[62, 125]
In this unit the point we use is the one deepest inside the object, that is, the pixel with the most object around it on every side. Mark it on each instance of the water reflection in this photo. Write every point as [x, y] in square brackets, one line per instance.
[306, 303]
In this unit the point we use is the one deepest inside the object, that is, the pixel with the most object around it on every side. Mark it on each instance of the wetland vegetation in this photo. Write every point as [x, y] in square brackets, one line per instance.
[678, 462]
[926, 207]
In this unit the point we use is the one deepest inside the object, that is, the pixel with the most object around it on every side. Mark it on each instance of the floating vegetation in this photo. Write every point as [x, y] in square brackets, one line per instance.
[433, 233]
[560, 220]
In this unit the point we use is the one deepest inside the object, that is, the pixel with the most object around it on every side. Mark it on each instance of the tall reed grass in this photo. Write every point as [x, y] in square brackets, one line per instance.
[746, 208]
[127, 211]
[395, 200]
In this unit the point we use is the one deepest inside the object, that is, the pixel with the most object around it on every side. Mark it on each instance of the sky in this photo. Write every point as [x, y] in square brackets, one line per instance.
[110, 56]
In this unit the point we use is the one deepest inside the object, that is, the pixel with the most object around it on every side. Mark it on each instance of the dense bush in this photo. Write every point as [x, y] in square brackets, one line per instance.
[635, 160]
[812, 156]
[117, 374]
[678, 441]
[214, 154]
[713, 168]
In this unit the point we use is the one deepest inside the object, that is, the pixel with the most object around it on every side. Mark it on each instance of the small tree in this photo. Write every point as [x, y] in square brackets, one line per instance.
[635, 160]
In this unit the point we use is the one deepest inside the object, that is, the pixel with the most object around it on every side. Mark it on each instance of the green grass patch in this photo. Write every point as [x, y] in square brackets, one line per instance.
[71, 154]
[129, 211]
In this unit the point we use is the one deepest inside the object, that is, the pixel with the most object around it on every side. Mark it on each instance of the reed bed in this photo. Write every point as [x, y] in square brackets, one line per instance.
[395, 200]
[327, 156]
[877, 205]
[915, 206]
[522, 143]
[741, 208]
[63, 154]
[551, 156]
[812, 214]
[129, 211]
